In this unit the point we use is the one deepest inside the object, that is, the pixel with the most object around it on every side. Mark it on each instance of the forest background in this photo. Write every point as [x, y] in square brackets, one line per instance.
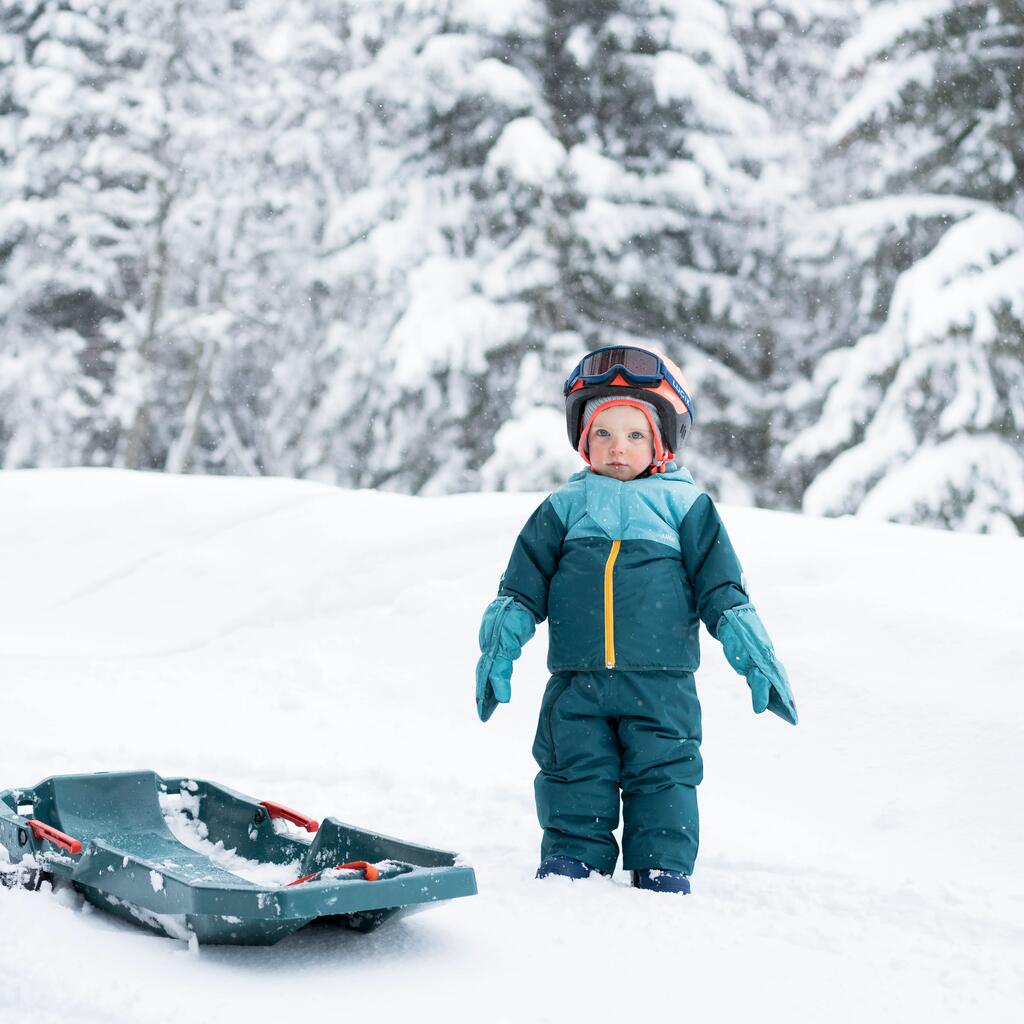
[363, 241]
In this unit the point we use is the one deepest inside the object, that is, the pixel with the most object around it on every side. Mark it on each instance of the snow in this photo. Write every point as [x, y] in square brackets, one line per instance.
[581, 45]
[935, 474]
[859, 226]
[524, 453]
[882, 27]
[940, 363]
[978, 263]
[448, 57]
[448, 324]
[528, 152]
[504, 83]
[497, 19]
[880, 95]
[597, 176]
[179, 815]
[702, 31]
[611, 226]
[679, 78]
[316, 646]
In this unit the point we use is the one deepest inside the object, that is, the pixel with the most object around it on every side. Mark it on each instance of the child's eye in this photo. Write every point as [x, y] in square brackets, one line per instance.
[601, 432]
[637, 435]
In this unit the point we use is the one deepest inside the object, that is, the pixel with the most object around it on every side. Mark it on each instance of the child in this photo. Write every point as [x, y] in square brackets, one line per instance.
[621, 561]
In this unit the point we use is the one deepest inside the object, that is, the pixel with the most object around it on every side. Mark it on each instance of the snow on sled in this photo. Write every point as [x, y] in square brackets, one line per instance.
[188, 857]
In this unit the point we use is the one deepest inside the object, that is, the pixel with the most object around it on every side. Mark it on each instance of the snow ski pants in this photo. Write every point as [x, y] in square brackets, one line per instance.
[602, 732]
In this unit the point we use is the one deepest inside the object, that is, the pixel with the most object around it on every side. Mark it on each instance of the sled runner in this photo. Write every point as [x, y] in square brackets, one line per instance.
[172, 854]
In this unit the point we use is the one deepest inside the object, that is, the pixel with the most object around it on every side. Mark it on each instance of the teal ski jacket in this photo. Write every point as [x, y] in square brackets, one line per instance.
[623, 571]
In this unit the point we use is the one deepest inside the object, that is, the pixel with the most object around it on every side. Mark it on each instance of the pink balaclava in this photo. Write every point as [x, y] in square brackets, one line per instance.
[595, 405]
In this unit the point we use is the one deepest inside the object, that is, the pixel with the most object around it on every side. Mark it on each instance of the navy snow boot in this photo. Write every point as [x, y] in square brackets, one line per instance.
[661, 880]
[567, 867]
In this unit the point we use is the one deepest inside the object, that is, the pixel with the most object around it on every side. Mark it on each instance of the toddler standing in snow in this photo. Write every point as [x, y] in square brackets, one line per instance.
[623, 560]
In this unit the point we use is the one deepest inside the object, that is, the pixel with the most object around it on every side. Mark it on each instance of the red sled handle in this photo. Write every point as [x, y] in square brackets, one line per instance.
[280, 811]
[370, 873]
[43, 831]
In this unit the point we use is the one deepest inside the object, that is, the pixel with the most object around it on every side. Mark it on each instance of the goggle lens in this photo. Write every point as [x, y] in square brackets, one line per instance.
[632, 360]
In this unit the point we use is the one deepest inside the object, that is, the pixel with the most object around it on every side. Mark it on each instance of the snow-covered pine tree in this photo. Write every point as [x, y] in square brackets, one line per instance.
[547, 177]
[165, 201]
[69, 196]
[666, 157]
[283, 154]
[790, 47]
[917, 414]
[179, 319]
[218, 349]
[433, 264]
[290, 147]
[102, 255]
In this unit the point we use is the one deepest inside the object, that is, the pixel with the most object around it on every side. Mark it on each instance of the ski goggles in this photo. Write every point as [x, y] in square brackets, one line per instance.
[638, 366]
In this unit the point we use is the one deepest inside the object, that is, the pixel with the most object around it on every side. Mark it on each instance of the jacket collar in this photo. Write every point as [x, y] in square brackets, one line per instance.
[674, 473]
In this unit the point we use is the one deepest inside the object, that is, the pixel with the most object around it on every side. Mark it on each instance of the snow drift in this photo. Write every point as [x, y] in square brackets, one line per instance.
[317, 646]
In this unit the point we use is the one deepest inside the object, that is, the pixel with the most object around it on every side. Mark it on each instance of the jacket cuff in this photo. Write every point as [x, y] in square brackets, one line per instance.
[506, 626]
[735, 639]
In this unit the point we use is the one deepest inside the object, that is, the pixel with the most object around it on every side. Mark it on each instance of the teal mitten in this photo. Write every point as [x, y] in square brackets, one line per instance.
[750, 652]
[506, 626]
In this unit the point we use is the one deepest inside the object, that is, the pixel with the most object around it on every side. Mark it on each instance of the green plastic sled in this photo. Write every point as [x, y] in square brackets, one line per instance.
[110, 835]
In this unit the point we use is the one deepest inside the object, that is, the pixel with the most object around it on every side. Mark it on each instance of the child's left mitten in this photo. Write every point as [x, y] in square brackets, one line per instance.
[506, 626]
[750, 652]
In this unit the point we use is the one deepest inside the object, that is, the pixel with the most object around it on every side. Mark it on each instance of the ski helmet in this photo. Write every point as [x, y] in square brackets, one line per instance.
[639, 373]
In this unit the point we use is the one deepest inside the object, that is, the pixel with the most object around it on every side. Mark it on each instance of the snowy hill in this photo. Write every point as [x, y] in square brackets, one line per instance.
[316, 646]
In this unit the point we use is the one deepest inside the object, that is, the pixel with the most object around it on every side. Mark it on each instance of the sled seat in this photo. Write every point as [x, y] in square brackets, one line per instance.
[120, 812]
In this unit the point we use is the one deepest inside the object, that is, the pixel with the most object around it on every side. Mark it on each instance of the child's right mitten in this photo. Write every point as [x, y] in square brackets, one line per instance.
[506, 626]
[750, 652]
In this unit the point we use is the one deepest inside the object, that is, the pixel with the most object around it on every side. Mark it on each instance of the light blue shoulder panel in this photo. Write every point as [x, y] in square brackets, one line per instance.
[652, 508]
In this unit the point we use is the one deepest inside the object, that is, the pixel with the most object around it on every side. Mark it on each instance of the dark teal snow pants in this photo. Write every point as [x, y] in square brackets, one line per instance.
[605, 732]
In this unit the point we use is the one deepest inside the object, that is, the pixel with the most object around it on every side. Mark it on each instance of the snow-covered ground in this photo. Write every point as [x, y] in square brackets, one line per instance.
[316, 647]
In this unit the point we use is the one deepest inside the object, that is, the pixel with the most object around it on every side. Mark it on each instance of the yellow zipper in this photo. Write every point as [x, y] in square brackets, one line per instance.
[609, 606]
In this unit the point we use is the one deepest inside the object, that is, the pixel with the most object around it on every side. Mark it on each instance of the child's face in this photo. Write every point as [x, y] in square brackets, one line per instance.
[620, 443]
